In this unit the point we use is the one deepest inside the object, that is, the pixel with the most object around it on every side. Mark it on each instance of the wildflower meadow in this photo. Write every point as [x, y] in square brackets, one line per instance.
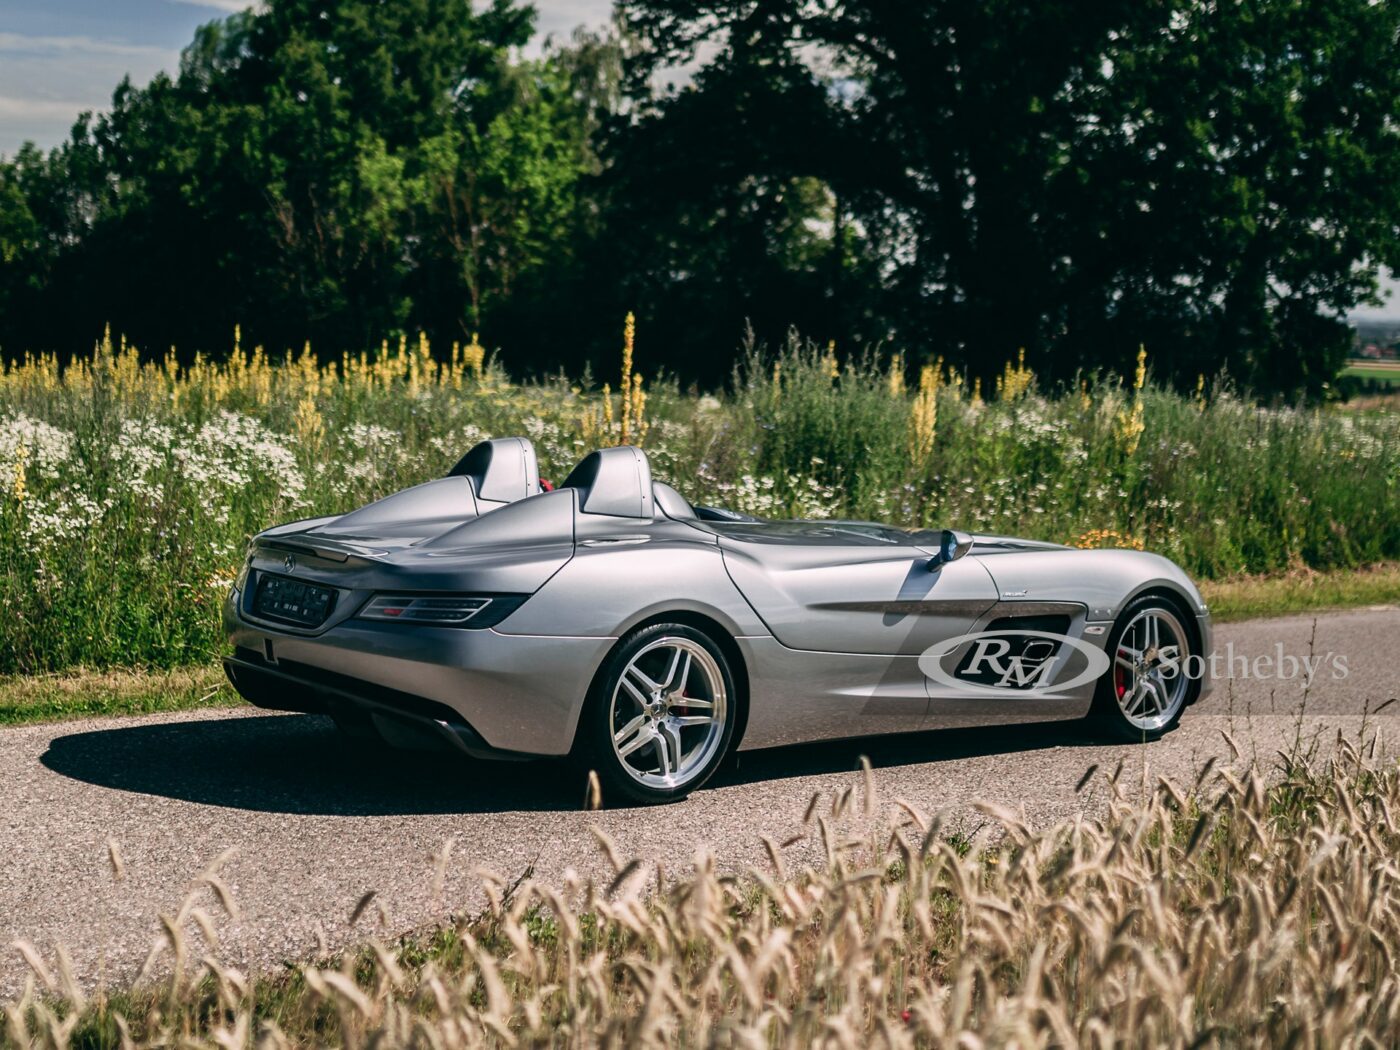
[129, 486]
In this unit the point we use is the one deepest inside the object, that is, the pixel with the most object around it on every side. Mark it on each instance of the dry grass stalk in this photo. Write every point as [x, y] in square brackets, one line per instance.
[1243, 910]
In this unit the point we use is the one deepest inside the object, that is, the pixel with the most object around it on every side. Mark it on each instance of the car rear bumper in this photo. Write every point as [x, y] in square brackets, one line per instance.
[401, 719]
[483, 692]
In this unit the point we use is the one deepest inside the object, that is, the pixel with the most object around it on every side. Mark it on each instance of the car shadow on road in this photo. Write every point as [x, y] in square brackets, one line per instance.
[299, 764]
[904, 749]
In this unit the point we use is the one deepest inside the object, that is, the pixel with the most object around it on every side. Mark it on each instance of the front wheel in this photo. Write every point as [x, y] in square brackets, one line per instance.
[1148, 684]
[661, 715]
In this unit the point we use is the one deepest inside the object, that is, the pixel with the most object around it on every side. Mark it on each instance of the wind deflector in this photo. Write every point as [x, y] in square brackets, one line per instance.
[501, 471]
[614, 481]
[547, 519]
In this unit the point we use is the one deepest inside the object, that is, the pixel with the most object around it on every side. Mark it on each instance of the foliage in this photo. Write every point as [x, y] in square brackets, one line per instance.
[128, 489]
[1218, 182]
[328, 170]
[1235, 912]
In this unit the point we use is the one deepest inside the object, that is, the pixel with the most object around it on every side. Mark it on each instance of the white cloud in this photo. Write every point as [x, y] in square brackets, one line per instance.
[219, 5]
[1390, 294]
[36, 109]
[46, 81]
[23, 43]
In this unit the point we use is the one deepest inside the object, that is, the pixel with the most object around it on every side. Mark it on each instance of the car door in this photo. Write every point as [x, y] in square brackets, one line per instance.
[868, 595]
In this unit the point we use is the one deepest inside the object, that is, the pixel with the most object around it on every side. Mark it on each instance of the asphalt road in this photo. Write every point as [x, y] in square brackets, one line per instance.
[312, 828]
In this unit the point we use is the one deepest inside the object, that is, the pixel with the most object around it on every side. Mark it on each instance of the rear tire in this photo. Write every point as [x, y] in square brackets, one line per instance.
[660, 715]
[1146, 688]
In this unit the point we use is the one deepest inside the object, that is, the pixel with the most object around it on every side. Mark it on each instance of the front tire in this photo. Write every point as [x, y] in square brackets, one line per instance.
[661, 714]
[1148, 684]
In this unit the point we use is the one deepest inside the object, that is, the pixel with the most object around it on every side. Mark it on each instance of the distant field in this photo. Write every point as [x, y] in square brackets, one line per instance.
[1379, 371]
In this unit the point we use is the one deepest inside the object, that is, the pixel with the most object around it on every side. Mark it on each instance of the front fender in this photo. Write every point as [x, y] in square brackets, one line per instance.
[1104, 581]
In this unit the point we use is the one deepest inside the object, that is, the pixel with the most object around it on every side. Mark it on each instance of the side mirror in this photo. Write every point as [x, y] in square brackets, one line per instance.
[952, 545]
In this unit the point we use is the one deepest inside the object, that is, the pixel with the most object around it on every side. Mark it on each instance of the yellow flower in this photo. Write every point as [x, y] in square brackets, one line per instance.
[17, 488]
[923, 415]
[308, 424]
[639, 401]
[1130, 427]
[629, 334]
[1015, 380]
[474, 356]
[896, 375]
[1130, 421]
[1099, 539]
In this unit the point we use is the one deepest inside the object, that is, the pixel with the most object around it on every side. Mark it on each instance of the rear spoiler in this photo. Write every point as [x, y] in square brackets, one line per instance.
[321, 547]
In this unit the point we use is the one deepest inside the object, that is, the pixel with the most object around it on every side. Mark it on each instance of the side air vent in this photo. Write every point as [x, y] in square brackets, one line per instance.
[1026, 653]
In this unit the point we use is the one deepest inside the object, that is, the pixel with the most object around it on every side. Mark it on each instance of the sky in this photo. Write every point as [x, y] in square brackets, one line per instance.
[60, 57]
[1390, 289]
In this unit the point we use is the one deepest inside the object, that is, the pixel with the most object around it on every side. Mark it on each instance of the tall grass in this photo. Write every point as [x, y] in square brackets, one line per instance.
[1225, 913]
[128, 488]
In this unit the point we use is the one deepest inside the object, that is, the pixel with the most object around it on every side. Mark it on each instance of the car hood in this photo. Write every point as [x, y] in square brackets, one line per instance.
[863, 534]
[984, 544]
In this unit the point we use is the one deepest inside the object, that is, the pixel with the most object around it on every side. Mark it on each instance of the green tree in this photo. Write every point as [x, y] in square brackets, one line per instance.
[719, 192]
[503, 205]
[332, 170]
[1217, 181]
[24, 262]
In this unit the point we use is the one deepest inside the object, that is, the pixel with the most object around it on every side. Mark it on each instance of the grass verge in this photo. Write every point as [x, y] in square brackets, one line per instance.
[125, 691]
[1250, 597]
[1253, 908]
[1379, 373]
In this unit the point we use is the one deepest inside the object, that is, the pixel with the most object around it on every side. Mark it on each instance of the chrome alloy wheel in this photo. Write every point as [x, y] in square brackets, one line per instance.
[1149, 669]
[668, 712]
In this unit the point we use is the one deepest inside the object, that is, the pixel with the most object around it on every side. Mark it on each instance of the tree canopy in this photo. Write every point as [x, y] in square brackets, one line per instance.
[1217, 181]
[331, 170]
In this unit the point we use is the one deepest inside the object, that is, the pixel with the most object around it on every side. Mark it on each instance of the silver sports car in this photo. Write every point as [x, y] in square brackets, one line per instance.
[614, 621]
